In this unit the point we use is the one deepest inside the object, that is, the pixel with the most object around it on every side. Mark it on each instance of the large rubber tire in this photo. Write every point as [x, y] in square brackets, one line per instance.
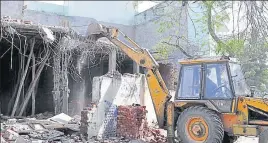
[263, 137]
[215, 127]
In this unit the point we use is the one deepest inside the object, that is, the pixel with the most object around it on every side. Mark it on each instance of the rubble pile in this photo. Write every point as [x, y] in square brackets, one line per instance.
[59, 128]
[44, 115]
[131, 122]
[86, 119]
[155, 136]
[131, 125]
[84, 122]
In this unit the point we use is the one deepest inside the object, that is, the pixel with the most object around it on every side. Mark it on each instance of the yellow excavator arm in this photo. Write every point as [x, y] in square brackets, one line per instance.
[157, 87]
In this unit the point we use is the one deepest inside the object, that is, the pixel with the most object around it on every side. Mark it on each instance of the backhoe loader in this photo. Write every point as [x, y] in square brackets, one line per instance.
[212, 103]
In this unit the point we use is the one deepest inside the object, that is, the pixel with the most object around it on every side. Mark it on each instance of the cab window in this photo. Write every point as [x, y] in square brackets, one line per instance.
[217, 81]
[189, 87]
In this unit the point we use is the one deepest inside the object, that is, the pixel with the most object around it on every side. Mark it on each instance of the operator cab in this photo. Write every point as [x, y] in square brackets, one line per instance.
[216, 79]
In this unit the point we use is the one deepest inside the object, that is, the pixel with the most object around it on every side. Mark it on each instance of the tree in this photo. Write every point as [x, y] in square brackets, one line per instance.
[246, 41]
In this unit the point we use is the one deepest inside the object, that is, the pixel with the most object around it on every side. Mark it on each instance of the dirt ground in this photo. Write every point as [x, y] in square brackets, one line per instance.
[247, 140]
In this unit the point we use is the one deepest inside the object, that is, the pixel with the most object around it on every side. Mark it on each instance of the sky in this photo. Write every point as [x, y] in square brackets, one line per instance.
[145, 5]
[142, 6]
[54, 2]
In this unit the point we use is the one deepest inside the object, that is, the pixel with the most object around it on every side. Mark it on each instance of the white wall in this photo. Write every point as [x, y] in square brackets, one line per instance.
[196, 36]
[146, 29]
[120, 12]
[55, 7]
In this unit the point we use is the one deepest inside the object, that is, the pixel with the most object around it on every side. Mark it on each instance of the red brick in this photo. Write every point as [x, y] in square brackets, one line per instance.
[131, 121]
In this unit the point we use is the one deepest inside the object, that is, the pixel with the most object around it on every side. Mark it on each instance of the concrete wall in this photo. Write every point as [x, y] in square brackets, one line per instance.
[11, 8]
[114, 89]
[146, 28]
[147, 36]
[120, 12]
[79, 24]
[144, 32]
[47, 7]
[196, 35]
[51, 18]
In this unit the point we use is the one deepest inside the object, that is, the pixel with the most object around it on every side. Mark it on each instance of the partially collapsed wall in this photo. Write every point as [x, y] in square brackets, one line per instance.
[34, 52]
[109, 92]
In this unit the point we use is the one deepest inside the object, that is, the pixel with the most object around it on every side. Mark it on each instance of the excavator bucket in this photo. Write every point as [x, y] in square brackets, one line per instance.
[96, 29]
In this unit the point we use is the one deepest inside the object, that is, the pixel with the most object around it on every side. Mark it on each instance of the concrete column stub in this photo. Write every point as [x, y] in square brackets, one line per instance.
[136, 67]
[112, 60]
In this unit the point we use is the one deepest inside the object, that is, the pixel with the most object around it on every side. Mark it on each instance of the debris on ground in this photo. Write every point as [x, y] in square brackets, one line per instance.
[61, 118]
[41, 116]
[52, 129]
[65, 129]
[131, 126]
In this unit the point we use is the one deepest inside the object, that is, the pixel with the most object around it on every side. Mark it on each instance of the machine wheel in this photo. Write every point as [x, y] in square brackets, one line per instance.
[263, 137]
[199, 124]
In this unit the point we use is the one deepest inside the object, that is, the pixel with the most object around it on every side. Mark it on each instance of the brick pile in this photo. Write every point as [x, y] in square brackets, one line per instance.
[131, 122]
[155, 136]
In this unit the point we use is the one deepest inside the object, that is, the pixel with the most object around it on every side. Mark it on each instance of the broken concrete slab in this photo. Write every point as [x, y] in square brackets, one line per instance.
[21, 140]
[48, 34]
[75, 120]
[54, 126]
[10, 135]
[43, 122]
[41, 116]
[38, 141]
[37, 126]
[72, 127]
[21, 128]
[39, 131]
[61, 118]
[11, 121]
[46, 135]
[3, 140]
[137, 141]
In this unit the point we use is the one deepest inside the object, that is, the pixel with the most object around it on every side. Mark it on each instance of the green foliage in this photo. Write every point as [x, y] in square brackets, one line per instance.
[252, 56]
[163, 50]
[164, 25]
[254, 61]
[231, 47]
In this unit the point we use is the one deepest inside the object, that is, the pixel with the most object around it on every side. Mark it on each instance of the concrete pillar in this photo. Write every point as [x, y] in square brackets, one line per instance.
[112, 60]
[136, 67]
[101, 67]
[65, 103]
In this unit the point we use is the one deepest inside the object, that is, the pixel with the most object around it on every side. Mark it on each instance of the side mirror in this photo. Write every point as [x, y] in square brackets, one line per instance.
[252, 90]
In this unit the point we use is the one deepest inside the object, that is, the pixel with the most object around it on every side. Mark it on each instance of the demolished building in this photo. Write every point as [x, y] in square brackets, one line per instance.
[49, 67]
[59, 73]
[67, 71]
[60, 60]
